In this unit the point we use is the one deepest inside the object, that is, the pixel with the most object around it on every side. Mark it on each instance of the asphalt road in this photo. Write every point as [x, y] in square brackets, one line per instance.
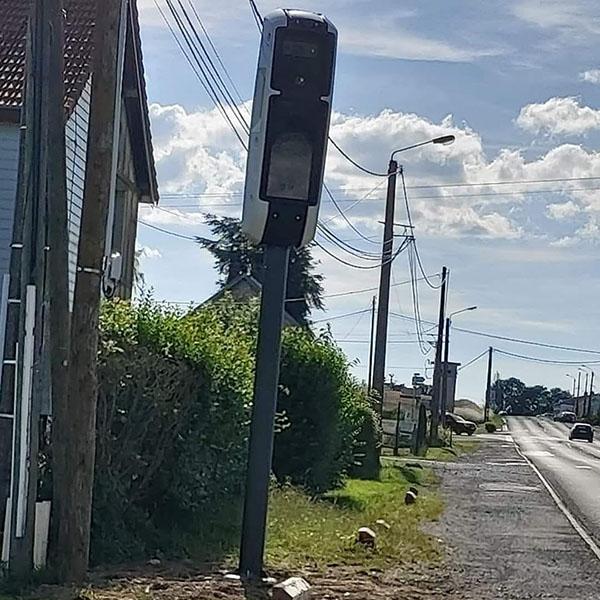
[572, 468]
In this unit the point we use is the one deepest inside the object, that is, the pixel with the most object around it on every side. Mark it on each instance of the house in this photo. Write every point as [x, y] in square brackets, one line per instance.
[245, 287]
[134, 179]
[135, 175]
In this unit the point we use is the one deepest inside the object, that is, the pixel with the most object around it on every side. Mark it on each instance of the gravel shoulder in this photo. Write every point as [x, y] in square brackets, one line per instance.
[506, 537]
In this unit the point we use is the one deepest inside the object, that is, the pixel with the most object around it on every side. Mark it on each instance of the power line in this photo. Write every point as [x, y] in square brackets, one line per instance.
[336, 317]
[344, 245]
[416, 250]
[175, 195]
[473, 360]
[197, 67]
[508, 339]
[352, 292]
[356, 323]
[544, 360]
[256, 14]
[353, 162]
[166, 231]
[216, 53]
[349, 264]
[211, 70]
[341, 212]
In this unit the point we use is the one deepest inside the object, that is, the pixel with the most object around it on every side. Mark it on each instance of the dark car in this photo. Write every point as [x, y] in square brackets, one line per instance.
[459, 425]
[566, 417]
[582, 431]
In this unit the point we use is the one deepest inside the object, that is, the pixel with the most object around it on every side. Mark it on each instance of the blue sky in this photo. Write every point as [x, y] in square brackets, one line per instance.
[517, 82]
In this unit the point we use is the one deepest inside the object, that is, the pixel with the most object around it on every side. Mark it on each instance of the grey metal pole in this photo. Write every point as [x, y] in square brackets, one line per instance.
[260, 451]
[384, 284]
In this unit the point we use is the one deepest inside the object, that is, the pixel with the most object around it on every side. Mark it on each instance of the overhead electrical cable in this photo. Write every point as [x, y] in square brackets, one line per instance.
[544, 360]
[473, 360]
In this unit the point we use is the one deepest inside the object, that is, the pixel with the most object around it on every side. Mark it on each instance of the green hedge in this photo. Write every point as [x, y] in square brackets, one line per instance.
[173, 412]
[323, 411]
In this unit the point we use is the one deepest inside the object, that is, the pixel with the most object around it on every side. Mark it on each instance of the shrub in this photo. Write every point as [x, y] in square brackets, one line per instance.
[327, 423]
[174, 404]
[172, 421]
[490, 427]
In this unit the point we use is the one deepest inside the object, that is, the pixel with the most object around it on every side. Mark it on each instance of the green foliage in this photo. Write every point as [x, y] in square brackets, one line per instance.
[172, 416]
[517, 398]
[236, 255]
[172, 426]
[324, 413]
[490, 427]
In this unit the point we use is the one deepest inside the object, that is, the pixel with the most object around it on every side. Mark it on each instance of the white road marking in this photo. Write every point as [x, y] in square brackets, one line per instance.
[583, 534]
[539, 453]
[583, 467]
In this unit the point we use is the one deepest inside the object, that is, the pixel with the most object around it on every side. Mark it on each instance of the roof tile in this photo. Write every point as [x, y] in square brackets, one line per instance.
[79, 26]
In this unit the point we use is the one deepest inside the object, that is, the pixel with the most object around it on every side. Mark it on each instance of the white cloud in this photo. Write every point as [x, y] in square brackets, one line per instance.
[591, 76]
[148, 253]
[576, 18]
[197, 154]
[380, 38]
[196, 151]
[163, 216]
[564, 210]
[559, 116]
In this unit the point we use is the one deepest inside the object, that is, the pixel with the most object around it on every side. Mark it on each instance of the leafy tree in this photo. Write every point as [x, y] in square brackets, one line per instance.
[519, 399]
[236, 255]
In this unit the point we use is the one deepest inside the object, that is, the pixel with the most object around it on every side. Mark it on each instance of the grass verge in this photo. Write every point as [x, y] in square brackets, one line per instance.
[307, 532]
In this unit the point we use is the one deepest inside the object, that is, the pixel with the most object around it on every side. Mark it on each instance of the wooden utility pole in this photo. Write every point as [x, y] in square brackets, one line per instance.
[77, 434]
[57, 287]
[488, 387]
[371, 345]
[384, 284]
[436, 396]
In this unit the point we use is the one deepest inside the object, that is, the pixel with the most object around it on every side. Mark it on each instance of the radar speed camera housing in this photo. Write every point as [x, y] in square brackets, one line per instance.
[290, 123]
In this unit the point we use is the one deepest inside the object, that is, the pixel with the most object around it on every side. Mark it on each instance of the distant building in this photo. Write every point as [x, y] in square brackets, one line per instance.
[402, 403]
[243, 288]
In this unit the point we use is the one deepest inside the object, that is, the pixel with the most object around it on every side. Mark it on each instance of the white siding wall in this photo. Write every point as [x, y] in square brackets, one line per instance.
[9, 163]
[76, 150]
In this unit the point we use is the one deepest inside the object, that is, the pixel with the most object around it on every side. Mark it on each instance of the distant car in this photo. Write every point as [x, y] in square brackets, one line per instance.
[459, 425]
[566, 417]
[582, 431]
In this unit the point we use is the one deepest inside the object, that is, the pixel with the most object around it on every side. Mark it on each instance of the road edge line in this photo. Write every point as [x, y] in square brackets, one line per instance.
[583, 534]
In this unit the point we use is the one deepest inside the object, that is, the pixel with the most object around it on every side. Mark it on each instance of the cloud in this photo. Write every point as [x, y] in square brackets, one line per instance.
[576, 18]
[563, 210]
[559, 116]
[201, 169]
[148, 253]
[196, 151]
[359, 34]
[382, 39]
[591, 76]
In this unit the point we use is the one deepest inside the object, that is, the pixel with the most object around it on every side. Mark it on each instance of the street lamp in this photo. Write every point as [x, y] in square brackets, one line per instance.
[446, 352]
[386, 263]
